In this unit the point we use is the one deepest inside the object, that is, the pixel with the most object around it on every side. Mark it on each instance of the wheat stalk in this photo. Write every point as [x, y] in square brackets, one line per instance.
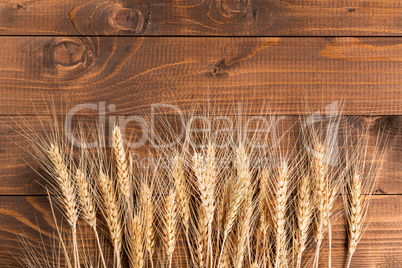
[66, 187]
[112, 214]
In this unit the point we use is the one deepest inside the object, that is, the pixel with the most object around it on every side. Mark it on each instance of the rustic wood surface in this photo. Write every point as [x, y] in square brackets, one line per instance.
[133, 73]
[132, 54]
[201, 17]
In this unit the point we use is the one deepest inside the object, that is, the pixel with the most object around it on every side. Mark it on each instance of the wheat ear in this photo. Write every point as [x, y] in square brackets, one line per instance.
[205, 172]
[123, 176]
[112, 214]
[279, 215]
[263, 224]
[66, 187]
[244, 230]
[136, 240]
[304, 211]
[320, 194]
[183, 198]
[201, 239]
[148, 209]
[170, 228]
[243, 182]
[88, 211]
[324, 198]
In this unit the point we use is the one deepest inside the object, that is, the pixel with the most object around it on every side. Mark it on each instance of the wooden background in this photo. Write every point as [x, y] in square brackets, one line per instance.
[136, 53]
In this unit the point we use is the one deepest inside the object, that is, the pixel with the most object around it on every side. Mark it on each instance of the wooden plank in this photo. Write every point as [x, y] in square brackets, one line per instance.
[200, 17]
[381, 246]
[18, 172]
[133, 73]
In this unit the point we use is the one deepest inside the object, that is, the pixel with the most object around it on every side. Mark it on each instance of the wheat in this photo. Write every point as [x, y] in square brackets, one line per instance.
[183, 197]
[243, 184]
[279, 215]
[112, 214]
[355, 216]
[263, 224]
[304, 211]
[66, 187]
[170, 228]
[244, 231]
[321, 195]
[123, 176]
[324, 193]
[262, 202]
[88, 210]
[148, 209]
[206, 174]
[136, 241]
[201, 239]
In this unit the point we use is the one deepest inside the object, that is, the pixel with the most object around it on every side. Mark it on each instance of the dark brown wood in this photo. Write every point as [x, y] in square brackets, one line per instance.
[30, 218]
[134, 73]
[201, 17]
[21, 175]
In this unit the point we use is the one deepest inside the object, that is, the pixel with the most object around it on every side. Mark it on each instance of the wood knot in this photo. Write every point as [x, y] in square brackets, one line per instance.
[19, 6]
[219, 69]
[240, 15]
[67, 56]
[125, 20]
[227, 10]
[68, 52]
[351, 10]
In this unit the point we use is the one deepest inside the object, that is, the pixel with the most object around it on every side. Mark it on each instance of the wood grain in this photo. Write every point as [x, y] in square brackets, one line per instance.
[21, 175]
[31, 219]
[201, 17]
[134, 73]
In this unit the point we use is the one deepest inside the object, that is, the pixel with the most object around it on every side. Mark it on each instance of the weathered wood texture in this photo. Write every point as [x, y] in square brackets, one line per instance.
[74, 52]
[380, 246]
[133, 73]
[201, 17]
